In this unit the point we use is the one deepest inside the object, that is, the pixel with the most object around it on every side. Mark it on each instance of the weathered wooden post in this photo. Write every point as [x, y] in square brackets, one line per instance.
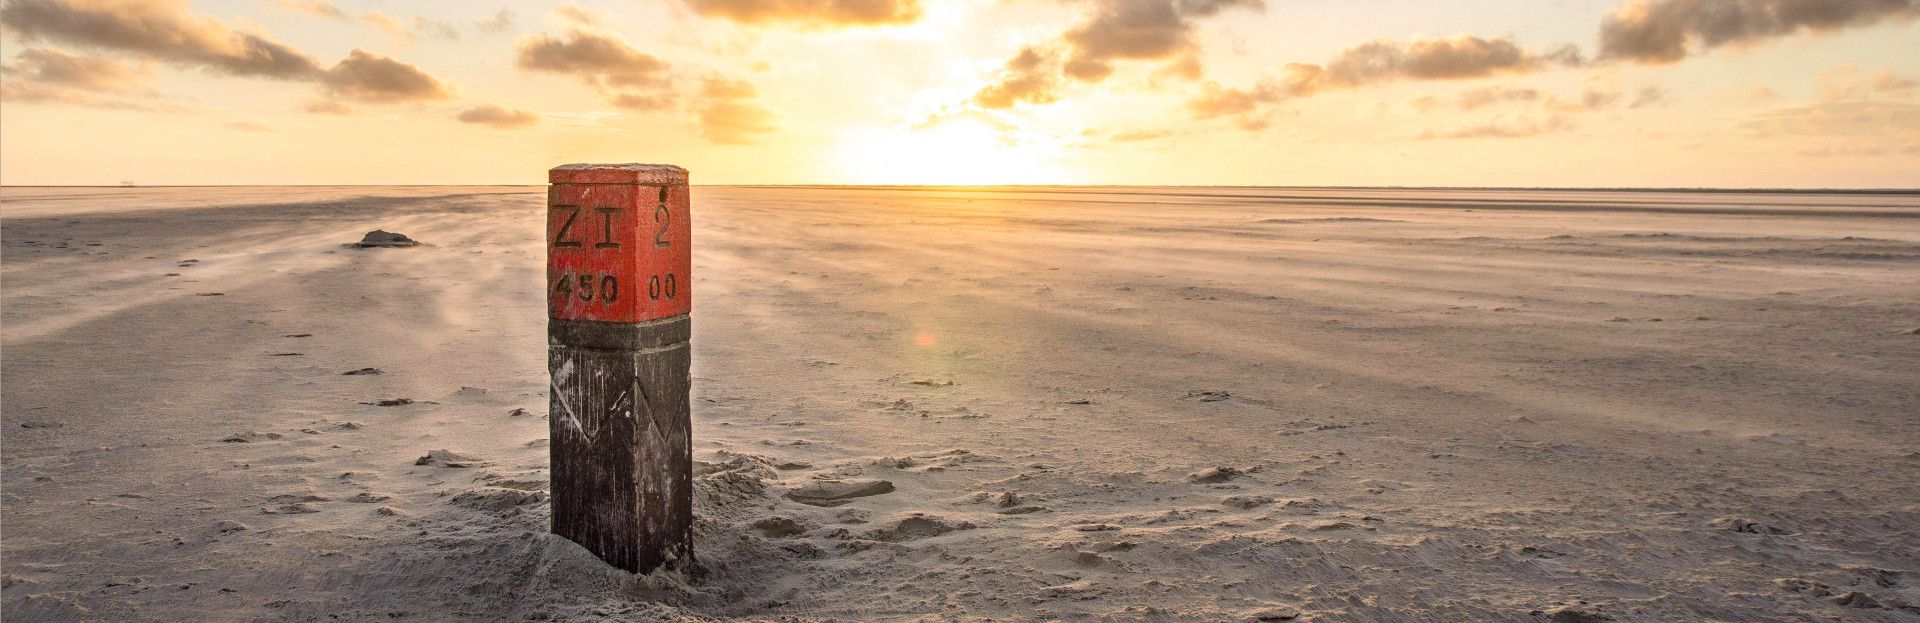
[619, 293]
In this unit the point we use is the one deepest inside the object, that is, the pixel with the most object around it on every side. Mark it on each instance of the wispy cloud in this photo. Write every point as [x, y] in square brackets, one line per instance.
[497, 117]
[1519, 127]
[1852, 83]
[318, 8]
[812, 14]
[730, 113]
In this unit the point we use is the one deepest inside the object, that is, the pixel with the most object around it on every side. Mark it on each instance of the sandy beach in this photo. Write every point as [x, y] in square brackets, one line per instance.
[1092, 404]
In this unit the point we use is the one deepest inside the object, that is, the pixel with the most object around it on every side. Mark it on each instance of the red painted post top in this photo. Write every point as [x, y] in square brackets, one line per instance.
[619, 242]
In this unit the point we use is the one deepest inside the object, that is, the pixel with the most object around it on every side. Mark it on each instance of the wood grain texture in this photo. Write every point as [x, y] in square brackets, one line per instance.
[621, 440]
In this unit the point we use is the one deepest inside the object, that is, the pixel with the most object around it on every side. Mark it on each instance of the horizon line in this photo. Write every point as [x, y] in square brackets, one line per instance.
[1694, 189]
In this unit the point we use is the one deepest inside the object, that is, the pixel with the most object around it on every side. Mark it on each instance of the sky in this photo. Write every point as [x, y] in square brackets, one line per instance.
[1533, 93]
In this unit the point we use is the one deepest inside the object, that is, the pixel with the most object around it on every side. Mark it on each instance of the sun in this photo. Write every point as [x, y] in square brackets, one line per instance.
[955, 152]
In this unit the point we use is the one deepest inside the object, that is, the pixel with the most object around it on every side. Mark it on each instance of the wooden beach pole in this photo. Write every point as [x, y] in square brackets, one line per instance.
[619, 302]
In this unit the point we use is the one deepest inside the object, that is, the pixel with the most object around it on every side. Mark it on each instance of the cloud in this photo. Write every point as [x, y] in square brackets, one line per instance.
[368, 77]
[1140, 30]
[1510, 128]
[1648, 96]
[49, 76]
[812, 13]
[411, 29]
[1898, 121]
[165, 31]
[1380, 61]
[1851, 83]
[1113, 31]
[1031, 77]
[1858, 149]
[499, 23]
[1666, 31]
[1218, 101]
[1136, 136]
[1463, 57]
[318, 8]
[26, 92]
[435, 28]
[730, 113]
[387, 24]
[55, 68]
[1474, 99]
[626, 77]
[249, 126]
[158, 29]
[598, 58]
[498, 117]
[326, 107]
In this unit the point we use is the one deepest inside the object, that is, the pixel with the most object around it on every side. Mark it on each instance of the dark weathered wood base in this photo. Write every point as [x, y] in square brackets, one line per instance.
[622, 447]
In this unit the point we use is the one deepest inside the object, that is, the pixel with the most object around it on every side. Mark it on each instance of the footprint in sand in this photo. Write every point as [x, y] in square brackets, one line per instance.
[830, 493]
[778, 527]
[917, 526]
[446, 458]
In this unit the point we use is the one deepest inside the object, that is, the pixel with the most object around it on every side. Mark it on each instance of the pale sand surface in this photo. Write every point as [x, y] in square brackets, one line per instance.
[1442, 406]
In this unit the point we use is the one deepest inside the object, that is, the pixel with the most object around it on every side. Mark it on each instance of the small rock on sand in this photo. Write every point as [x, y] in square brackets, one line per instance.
[1576, 612]
[1214, 475]
[1246, 501]
[360, 372]
[383, 238]
[446, 458]
[1208, 396]
[1747, 526]
[248, 437]
[40, 424]
[1277, 613]
[1854, 599]
[829, 493]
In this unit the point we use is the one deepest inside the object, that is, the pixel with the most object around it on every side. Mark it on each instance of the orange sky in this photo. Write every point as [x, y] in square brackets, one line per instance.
[1807, 93]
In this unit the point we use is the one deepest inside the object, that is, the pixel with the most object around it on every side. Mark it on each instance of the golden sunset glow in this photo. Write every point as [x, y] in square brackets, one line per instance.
[1477, 92]
[962, 152]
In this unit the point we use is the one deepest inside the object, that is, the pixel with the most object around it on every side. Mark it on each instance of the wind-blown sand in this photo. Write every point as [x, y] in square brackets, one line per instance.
[1429, 406]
